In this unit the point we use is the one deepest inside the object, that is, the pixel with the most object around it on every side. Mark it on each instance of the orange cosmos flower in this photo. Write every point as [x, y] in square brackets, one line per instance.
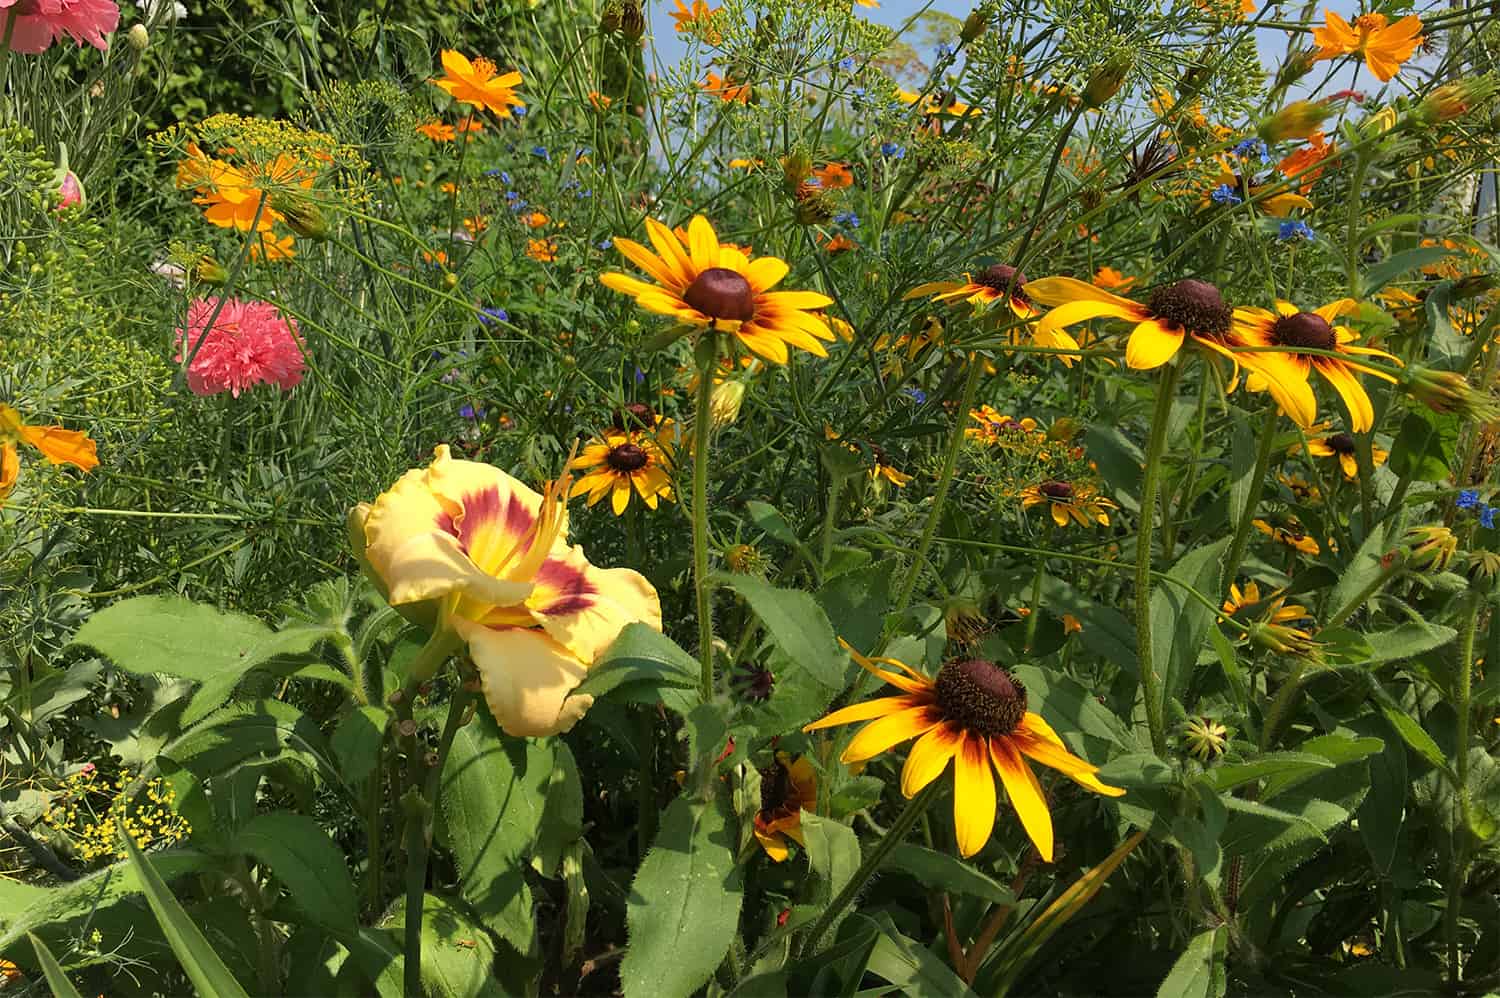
[544, 250]
[534, 220]
[600, 101]
[839, 244]
[698, 15]
[1111, 279]
[726, 89]
[437, 131]
[59, 446]
[1384, 46]
[834, 175]
[1304, 163]
[703, 282]
[270, 249]
[475, 83]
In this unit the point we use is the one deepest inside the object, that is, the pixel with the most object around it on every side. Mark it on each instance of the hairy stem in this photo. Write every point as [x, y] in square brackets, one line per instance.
[701, 426]
[1150, 484]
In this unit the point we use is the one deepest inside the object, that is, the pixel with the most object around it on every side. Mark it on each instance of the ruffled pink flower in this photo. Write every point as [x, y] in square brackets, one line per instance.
[39, 23]
[250, 344]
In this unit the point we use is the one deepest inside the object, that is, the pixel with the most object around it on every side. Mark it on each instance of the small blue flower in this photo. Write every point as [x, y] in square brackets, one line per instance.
[518, 206]
[1224, 194]
[511, 196]
[470, 412]
[640, 376]
[518, 110]
[539, 151]
[1253, 147]
[1468, 498]
[847, 218]
[892, 149]
[857, 91]
[584, 194]
[491, 317]
[942, 50]
[847, 64]
[917, 395]
[605, 244]
[1288, 231]
[1487, 517]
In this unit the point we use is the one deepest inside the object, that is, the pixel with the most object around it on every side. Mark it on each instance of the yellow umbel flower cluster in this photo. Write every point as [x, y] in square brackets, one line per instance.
[149, 818]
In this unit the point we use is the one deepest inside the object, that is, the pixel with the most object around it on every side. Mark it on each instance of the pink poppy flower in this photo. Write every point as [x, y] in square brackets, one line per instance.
[39, 23]
[250, 344]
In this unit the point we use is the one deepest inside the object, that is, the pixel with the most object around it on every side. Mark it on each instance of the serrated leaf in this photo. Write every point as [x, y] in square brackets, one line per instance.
[684, 905]
[1199, 971]
[1179, 622]
[299, 852]
[797, 624]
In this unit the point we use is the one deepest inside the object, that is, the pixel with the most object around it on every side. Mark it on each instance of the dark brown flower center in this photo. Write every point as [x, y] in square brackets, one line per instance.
[1056, 490]
[999, 276]
[627, 458]
[775, 787]
[1305, 330]
[633, 415]
[1342, 443]
[721, 293]
[981, 697]
[1193, 305]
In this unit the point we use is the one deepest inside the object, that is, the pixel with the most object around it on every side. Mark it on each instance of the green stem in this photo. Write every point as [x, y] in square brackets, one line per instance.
[894, 833]
[1036, 589]
[701, 426]
[1257, 484]
[830, 517]
[1150, 483]
[645, 825]
[1277, 712]
[1461, 705]
[945, 479]
[1346, 611]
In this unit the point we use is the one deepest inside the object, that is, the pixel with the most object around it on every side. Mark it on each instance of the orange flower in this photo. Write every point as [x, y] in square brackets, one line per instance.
[59, 446]
[476, 225]
[835, 175]
[600, 101]
[535, 219]
[475, 83]
[1302, 163]
[1111, 279]
[1384, 46]
[544, 250]
[468, 123]
[787, 788]
[726, 89]
[839, 244]
[436, 131]
[699, 15]
[267, 247]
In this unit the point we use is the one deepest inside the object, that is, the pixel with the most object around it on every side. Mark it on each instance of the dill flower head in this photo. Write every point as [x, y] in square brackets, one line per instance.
[248, 344]
[38, 25]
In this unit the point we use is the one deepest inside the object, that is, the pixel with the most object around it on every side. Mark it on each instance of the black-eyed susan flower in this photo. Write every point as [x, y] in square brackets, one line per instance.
[1384, 46]
[996, 428]
[999, 282]
[1341, 446]
[1275, 621]
[1289, 533]
[703, 282]
[973, 713]
[1069, 502]
[1295, 330]
[787, 788]
[476, 83]
[882, 470]
[58, 446]
[622, 463]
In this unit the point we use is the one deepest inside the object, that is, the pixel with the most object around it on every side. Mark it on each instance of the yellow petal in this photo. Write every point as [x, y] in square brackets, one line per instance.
[928, 758]
[973, 794]
[864, 711]
[1152, 344]
[669, 247]
[649, 262]
[774, 845]
[703, 244]
[1025, 795]
[585, 608]
[1036, 739]
[765, 273]
[527, 678]
[1356, 399]
[878, 736]
[1059, 290]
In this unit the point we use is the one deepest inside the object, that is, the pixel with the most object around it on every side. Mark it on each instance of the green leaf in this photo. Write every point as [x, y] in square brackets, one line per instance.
[457, 953]
[494, 794]
[357, 740]
[1397, 264]
[57, 980]
[797, 624]
[1120, 461]
[1446, 347]
[1338, 750]
[1179, 622]
[684, 906]
[562, 815]
[1231, 775]
[1106, 631]
[196, 955]
[1199, 971]
[641, 663]
[1413, 735]
[859, 600]
[261, 731]
[1408, 640]
[1423, 449]
[915, 971]
[1242, 453]
[1382, 814]
[944, 872]
[296, 849]
[1366, 565]
[177, 637]
[832, 854]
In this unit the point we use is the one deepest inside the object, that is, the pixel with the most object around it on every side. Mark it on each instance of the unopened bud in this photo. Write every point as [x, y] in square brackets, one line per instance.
[397, 698]
[407, 728]
[813, 206]
[724, 404]
[796, 168]
[624, 17]
[138, 37]
[1449, 392]
[70, 191]
[1204, 738]
[1297, 65]
[1297, 120]
[1430, 548]
[975, 25]
[302, 217]
[1483, 570]
[210, 271]
[1107, 81]
[1454, 100]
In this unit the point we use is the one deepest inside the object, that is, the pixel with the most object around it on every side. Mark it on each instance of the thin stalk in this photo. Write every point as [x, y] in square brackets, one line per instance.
[1257, 484]
[1276, 714]
[701, 426]
[894, 833]
[1150, 483]
[1036, 589]
[645, 825]
[1461, 705]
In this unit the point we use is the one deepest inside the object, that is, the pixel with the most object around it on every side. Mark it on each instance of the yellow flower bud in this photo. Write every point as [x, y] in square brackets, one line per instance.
[1297, 120]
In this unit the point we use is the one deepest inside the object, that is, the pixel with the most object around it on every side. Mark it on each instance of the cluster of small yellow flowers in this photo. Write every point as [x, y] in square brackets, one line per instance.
[93, 833]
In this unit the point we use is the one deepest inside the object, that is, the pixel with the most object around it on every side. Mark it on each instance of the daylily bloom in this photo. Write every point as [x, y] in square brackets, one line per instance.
[487, 561]
[57, 445]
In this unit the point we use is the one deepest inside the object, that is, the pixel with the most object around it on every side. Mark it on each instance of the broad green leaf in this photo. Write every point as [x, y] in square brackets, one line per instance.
[1338, 750]
[261, 731]
[684, 907]
[1231, 775]
[562, 815]
[1397, 264]
[1120, 460]
[1137, 769]
[859, 600]
[642, 662]
[914, 970]
[296, 849]
[357, 740]
[1199, 971]
[457, 953]
[177, 637]
[1088, 726]
[1408, 640]
[1255, 826]
[57, 980]
[797, 624]
[768, 519]
[945, 872]
[196, 955]
[832, 854]
[1106, 631]
[1382, 814]
[1446, 347]
[1423, 450]
[1179, 622]
[494, 794]
[1412, 734]
[1366, 565]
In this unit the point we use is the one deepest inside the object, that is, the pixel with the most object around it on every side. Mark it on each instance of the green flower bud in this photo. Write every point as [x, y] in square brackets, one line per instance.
[1107, 81]
[1297, 120]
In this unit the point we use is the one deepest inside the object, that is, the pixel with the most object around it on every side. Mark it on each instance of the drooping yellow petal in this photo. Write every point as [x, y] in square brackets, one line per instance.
[1346, 383]
[1071, 313]
[863, 711]
[528, 679]
[1037, 740]
[1152, 344]
[973, 794]
[929, 757]
[1025, 795]
[773, 844]
[1061, 290]
[893, 729]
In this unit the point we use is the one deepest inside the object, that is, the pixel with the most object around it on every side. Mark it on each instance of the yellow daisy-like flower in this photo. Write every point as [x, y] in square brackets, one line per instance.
[973, 713]
[623, 463]
[1385, 46]
[1276, 611]
[787, 788]
[1341, 446]
[1070, 502]
[1290, 327]
[1290, 534]
[475, 83]
[999, 282]
[58, 446]
[705, 283]
[882, 469]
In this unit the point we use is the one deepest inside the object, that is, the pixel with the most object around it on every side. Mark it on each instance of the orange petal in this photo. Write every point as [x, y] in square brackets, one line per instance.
[62, 446]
